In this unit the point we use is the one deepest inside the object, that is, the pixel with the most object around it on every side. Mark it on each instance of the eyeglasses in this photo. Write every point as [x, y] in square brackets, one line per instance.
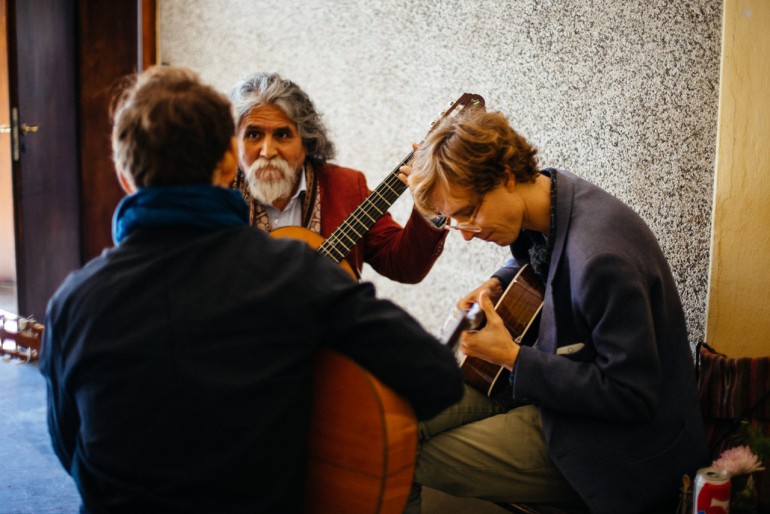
[467, 226]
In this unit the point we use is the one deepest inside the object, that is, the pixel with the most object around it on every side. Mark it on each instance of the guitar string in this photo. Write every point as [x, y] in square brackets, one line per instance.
[366, 208]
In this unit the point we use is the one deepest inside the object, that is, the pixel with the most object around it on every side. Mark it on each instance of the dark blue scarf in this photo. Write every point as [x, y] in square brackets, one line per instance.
[200, 206]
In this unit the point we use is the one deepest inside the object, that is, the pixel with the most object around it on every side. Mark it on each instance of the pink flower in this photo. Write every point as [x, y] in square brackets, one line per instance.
[738, 461]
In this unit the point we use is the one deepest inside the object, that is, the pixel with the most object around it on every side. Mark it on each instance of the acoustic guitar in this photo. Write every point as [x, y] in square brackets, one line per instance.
[19, 338]
[338, 245]
[362, 443]
[519, 307]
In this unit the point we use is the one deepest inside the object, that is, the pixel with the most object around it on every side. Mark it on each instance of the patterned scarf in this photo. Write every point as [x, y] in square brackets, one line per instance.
[311, 203]
[200, 206]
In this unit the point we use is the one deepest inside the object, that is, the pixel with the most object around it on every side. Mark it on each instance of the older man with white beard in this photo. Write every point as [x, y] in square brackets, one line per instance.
[287, 180]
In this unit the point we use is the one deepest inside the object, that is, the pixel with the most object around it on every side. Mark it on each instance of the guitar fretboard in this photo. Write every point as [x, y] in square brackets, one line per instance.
[358, 223]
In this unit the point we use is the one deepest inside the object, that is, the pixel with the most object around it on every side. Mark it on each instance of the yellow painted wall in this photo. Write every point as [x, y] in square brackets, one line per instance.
[7, 243]
[738, 314]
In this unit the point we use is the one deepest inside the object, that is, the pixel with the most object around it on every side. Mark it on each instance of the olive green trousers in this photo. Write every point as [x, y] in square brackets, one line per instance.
[481, 448]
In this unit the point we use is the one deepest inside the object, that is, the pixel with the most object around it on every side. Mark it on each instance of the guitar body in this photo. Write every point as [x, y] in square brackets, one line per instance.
[362, 444]
[314, 240]
[519, 307]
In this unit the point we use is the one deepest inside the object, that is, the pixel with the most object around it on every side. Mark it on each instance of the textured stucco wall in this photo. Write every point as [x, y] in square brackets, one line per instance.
[623, 93]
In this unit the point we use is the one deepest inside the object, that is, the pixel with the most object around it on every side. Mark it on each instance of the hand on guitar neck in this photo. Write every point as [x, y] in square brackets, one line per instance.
[468, 315]
[488, 353]
[486, 336]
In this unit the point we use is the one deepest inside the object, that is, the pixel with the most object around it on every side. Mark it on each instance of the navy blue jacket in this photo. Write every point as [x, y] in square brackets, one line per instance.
[179, 364]
[621, 417]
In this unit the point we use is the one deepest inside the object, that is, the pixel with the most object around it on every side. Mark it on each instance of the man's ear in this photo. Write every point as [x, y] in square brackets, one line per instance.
[510, 181]
[126, 182]
[227, 167]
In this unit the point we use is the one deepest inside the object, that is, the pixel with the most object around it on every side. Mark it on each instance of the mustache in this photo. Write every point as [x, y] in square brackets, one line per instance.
[277, 163]
[271, 179]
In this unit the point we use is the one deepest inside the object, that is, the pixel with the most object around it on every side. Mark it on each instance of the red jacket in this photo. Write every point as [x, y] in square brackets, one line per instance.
[401, 254]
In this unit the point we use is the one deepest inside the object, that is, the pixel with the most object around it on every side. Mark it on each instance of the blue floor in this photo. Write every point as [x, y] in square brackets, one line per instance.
[31, 478]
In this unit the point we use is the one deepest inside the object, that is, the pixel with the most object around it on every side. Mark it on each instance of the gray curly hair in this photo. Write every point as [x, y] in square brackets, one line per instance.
[271, 89]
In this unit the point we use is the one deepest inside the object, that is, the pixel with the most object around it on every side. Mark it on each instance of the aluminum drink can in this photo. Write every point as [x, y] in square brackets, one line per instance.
[712, 492]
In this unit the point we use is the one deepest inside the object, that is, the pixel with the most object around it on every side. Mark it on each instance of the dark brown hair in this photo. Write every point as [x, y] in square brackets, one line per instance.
[169, 128]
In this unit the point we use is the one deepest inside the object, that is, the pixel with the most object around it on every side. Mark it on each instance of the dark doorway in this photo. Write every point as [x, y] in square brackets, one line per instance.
[64, 58]
[41, 37]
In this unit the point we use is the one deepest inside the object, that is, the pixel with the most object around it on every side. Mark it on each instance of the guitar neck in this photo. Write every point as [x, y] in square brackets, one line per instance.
[358, 223]
[19, 337]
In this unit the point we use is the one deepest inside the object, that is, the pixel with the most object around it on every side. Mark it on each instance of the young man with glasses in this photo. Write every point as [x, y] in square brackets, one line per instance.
[602, 410]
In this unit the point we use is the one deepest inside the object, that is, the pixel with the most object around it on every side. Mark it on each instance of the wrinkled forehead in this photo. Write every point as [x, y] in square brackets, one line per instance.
[267, 115]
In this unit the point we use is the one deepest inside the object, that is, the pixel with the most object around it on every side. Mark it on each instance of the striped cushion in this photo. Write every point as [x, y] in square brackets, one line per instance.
[731, 390]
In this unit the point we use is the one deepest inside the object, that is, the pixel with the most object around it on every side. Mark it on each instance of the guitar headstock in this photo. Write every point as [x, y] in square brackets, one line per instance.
[466, 100]
[19, 337]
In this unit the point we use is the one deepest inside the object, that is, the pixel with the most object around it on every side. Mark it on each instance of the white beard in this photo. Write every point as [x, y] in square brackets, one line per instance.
[271, 179]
